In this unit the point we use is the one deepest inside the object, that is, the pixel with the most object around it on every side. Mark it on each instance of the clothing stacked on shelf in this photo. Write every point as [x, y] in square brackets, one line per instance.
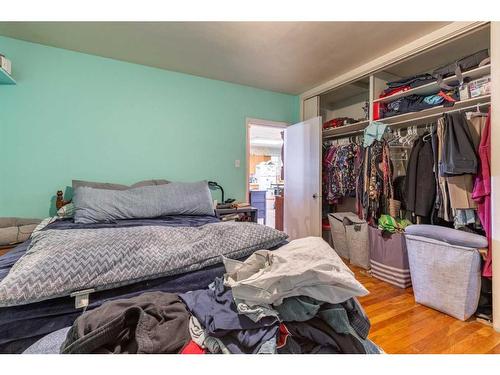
[337, 122]
[341, 164]
[445, 94]
[415, 103]
[300, 298]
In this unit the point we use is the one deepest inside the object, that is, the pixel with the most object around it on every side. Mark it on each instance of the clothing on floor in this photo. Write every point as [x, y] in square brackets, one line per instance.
[193, 348]
[315, 336]
[154, 322]
[482, 189]
[200, 337]
[304, 267]
[255, 312]
[351, 314]
[217, 313]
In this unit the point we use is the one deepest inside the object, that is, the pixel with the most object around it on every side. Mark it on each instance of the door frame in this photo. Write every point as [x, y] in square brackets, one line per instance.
[260, 122]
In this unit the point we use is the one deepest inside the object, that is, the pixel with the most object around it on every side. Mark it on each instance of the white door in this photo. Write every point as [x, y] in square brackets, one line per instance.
[310, 108]
[302, 161]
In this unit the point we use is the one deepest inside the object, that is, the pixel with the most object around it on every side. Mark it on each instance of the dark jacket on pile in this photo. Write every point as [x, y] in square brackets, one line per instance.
[459, 155]
[153, 322]
[216, 310]
[317, 327]
[420, 179]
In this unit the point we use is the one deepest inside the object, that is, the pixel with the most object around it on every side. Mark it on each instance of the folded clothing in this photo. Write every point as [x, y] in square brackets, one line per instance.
[412, 82]
[155, 322]
[304, 267]
[415, 103]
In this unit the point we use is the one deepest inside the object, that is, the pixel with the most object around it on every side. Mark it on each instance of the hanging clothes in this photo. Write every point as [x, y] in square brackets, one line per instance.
[460, 187]
[444, 210]
[482, 189]
[458, 155]
[340, 165]
[375, 182]
[420, 179]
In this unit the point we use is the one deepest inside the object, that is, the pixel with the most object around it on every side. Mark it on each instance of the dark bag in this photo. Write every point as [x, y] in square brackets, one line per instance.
[459, 66]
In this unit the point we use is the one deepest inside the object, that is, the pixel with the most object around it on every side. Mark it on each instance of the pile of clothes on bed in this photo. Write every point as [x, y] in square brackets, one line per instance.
[300, 298]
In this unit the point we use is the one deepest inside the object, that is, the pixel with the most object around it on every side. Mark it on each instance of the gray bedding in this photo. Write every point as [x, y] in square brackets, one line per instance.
[60, 262]
[176, 198]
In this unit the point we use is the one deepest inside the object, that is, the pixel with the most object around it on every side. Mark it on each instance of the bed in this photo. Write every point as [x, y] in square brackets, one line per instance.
[110, 252]
[22, 325]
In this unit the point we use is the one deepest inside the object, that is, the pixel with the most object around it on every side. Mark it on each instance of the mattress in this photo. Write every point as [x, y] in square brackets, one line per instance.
[20, 326]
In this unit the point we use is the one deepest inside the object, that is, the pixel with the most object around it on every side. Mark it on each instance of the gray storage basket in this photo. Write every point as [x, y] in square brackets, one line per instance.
[358, 242]
[445, 277]
[339, 236]
[350, 237]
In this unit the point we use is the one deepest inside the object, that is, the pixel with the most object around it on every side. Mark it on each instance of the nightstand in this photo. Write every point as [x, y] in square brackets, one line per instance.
[237, 214]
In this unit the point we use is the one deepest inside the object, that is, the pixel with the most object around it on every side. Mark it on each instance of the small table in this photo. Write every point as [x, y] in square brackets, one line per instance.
[237, 214]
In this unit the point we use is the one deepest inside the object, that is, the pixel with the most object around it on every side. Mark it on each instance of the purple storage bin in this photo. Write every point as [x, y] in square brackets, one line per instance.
[389, 258]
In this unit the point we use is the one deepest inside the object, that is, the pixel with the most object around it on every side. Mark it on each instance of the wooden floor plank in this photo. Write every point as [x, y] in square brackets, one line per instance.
[399, 325]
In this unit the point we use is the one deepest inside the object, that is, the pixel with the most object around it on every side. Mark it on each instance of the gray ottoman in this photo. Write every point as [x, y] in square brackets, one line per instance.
[445, 267]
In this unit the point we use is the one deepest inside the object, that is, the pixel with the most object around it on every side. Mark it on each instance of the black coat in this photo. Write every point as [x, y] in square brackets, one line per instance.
[420, 179]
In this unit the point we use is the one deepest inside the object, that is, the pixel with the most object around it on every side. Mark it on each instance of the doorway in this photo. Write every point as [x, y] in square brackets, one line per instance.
[265, 173]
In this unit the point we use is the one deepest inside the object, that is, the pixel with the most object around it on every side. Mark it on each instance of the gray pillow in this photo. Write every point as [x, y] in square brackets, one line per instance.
[113, 186]
[451, 236]
[98, 185]
[176, 198]
[149, 183]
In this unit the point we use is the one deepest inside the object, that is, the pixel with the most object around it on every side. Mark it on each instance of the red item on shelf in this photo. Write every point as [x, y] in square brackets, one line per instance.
[377, 106]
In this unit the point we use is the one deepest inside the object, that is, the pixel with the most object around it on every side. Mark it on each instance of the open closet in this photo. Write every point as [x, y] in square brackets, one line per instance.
[406, 144]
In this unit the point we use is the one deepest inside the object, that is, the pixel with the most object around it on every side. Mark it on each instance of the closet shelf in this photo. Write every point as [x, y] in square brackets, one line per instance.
[404, 119]
[346, 129]
[431, 88]
[5, 78]
[433, 112]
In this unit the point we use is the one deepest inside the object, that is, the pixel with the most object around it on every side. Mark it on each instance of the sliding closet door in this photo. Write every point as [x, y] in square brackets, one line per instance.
[303, 179]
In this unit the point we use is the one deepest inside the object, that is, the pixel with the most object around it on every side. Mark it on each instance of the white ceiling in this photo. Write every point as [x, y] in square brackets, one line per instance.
[289, 57]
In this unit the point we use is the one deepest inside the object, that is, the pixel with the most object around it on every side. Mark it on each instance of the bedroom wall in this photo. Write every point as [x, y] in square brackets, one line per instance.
[78, 116]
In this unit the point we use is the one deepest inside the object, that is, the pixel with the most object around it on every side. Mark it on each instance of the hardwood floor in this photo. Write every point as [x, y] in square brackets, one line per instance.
[401, 326]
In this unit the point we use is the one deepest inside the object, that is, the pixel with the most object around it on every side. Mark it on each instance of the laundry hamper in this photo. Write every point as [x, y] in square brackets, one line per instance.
[338, 228]
[356, 231]
[389, 258]
[445, 267]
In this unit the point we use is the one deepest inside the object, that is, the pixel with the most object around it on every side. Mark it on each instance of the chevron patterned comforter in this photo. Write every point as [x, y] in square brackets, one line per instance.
[60, 262]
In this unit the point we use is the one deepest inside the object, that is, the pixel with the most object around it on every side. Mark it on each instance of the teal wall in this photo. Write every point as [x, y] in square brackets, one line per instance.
[78, 116]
